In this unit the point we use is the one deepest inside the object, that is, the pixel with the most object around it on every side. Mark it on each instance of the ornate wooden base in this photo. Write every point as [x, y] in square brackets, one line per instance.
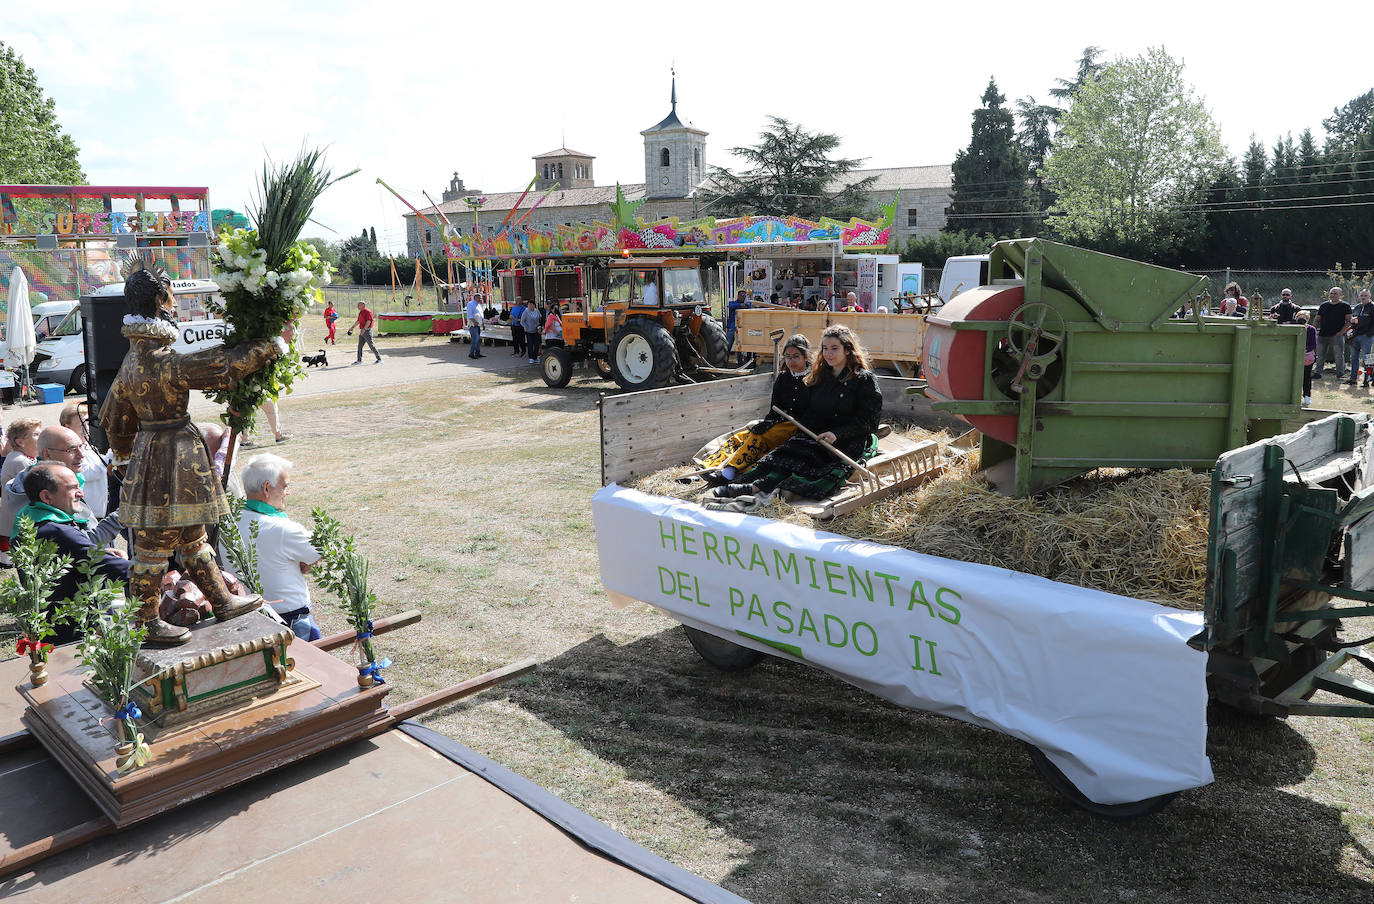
[321, 706]
[224, 663]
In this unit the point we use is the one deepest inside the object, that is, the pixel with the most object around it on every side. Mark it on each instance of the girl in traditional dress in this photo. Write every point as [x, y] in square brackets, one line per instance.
[843, 408]
[743, 448]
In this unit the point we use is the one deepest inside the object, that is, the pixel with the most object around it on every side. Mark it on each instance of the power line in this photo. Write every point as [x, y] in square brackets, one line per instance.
[1249, 208]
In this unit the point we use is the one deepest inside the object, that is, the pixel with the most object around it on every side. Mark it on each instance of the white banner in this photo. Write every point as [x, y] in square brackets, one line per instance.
[1105, 685]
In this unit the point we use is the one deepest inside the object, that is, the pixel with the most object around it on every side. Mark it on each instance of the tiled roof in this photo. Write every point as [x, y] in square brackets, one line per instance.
[564, 197]
[894, 178]
[563, 152]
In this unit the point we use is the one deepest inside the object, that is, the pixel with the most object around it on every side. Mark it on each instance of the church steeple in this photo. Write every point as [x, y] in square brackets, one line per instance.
[673, 152]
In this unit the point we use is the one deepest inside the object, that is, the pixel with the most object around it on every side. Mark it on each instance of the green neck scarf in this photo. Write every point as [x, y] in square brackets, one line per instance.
[262, 508]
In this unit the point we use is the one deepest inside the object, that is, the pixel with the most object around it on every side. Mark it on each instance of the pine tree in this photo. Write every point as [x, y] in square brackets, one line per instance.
[990, 178]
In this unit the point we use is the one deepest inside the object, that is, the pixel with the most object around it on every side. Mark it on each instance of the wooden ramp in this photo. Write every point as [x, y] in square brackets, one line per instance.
[384, 819]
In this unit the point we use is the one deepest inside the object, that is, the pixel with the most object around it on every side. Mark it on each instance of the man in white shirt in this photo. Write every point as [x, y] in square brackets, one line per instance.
[283, 546]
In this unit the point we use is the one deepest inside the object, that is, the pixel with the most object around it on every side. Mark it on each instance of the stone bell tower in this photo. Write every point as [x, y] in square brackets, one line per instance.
[674, 155]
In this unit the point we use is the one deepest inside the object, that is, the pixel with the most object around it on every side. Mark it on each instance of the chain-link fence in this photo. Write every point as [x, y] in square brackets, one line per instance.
[1309, 286]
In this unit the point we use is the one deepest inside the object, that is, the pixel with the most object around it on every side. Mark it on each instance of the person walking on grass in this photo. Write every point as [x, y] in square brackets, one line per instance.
[364, 325]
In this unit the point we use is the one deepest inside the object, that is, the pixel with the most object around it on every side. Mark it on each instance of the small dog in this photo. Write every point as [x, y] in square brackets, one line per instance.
[320, 360]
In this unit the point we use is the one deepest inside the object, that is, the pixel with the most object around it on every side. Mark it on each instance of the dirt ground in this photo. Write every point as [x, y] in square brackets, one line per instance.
[469, 483]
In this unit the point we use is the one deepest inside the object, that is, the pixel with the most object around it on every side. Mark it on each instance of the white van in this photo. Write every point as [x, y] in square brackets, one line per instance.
[47, 315]
[967, 271]
[61, 358]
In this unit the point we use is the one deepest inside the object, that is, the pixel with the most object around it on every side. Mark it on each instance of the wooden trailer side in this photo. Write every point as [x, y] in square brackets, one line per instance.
[647, 431]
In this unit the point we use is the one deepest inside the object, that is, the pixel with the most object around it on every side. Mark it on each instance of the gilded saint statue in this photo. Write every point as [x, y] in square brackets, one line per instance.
[171, 492]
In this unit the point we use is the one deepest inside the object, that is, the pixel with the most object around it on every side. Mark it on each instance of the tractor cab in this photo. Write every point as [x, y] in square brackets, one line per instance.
[654, 282]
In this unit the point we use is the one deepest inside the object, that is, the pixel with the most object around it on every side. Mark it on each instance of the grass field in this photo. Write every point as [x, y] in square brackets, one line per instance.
[783, 784]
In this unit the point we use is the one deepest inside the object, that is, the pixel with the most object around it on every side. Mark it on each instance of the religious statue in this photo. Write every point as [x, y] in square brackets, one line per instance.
[171, 492]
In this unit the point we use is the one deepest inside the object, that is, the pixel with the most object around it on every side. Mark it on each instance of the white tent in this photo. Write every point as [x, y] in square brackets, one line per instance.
[20, 343]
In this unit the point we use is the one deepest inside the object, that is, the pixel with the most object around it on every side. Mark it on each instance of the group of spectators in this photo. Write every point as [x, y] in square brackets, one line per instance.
[54, 477]
[532, 326]
[1339, 327]
[1338, 333]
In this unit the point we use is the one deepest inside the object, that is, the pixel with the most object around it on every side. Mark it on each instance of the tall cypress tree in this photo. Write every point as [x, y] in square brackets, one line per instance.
[990, 175]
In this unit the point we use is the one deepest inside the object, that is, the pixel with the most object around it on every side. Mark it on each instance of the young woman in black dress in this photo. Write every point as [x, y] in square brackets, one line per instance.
[843, 408]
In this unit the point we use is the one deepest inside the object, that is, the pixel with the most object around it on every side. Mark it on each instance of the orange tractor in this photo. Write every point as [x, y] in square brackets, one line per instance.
[653, 327]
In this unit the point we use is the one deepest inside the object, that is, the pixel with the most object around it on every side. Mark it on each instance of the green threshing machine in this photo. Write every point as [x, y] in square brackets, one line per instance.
[1072, 360]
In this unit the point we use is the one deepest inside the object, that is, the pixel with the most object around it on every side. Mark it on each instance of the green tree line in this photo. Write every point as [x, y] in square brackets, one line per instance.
[1128, 160]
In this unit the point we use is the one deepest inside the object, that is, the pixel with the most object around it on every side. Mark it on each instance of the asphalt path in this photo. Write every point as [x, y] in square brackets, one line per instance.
[405, 360]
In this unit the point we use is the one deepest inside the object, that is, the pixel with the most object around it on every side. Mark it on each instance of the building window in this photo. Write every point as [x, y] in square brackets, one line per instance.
[696, 157]
[911, 217]
[426, 236]
[546, 171]
[663, 157]
[560, 171]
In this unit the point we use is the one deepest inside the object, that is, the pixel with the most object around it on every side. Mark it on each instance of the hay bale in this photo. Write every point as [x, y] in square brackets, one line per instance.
[1136, 533]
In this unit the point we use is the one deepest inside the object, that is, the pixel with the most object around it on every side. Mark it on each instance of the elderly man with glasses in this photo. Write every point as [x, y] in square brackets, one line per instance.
[58, 444]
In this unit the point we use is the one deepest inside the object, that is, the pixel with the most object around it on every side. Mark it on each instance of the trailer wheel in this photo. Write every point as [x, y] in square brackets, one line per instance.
[721, 653]
[1057, 780]
[714, 347]
[555, 366]
[603, 368]
[643, 355]
[78, 381]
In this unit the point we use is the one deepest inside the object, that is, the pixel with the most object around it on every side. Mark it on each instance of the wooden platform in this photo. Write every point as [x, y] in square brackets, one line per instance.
[380, 819]
[193, 760]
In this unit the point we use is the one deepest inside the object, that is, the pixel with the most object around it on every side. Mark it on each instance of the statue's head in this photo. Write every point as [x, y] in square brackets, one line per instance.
[148, 296]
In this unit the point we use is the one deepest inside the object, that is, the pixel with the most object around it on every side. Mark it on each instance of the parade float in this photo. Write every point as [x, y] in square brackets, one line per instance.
[1034, 580]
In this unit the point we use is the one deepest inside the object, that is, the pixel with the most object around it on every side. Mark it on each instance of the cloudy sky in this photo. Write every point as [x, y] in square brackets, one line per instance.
[200, 94]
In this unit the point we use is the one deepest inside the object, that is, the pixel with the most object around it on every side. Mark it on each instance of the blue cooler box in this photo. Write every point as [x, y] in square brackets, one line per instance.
[50, 393]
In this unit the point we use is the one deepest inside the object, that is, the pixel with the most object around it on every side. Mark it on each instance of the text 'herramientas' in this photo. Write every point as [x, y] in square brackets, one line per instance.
[788, 625]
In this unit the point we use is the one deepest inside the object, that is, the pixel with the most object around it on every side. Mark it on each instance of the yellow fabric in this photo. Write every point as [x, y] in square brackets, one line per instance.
[743, 448]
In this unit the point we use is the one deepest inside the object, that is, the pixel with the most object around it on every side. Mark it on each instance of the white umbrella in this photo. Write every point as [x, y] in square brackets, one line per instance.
[20, 344]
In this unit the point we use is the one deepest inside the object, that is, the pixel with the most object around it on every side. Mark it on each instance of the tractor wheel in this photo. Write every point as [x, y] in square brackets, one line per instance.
[603, 368]
[721, 653]
[555, 366]
[713, 345]
[1057, 780]
[78, 381]
[643, 355]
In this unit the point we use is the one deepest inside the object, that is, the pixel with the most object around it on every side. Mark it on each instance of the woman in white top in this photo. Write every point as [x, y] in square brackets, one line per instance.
[94, 471]
[23, 436]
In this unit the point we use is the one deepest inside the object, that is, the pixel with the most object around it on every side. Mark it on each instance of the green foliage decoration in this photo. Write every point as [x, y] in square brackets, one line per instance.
[26, 593]
[243, 557]
[268, 279]
[342, 571]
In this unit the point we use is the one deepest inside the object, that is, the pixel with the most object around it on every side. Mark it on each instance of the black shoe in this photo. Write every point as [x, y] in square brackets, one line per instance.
[1316, 376]
[731, 490]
